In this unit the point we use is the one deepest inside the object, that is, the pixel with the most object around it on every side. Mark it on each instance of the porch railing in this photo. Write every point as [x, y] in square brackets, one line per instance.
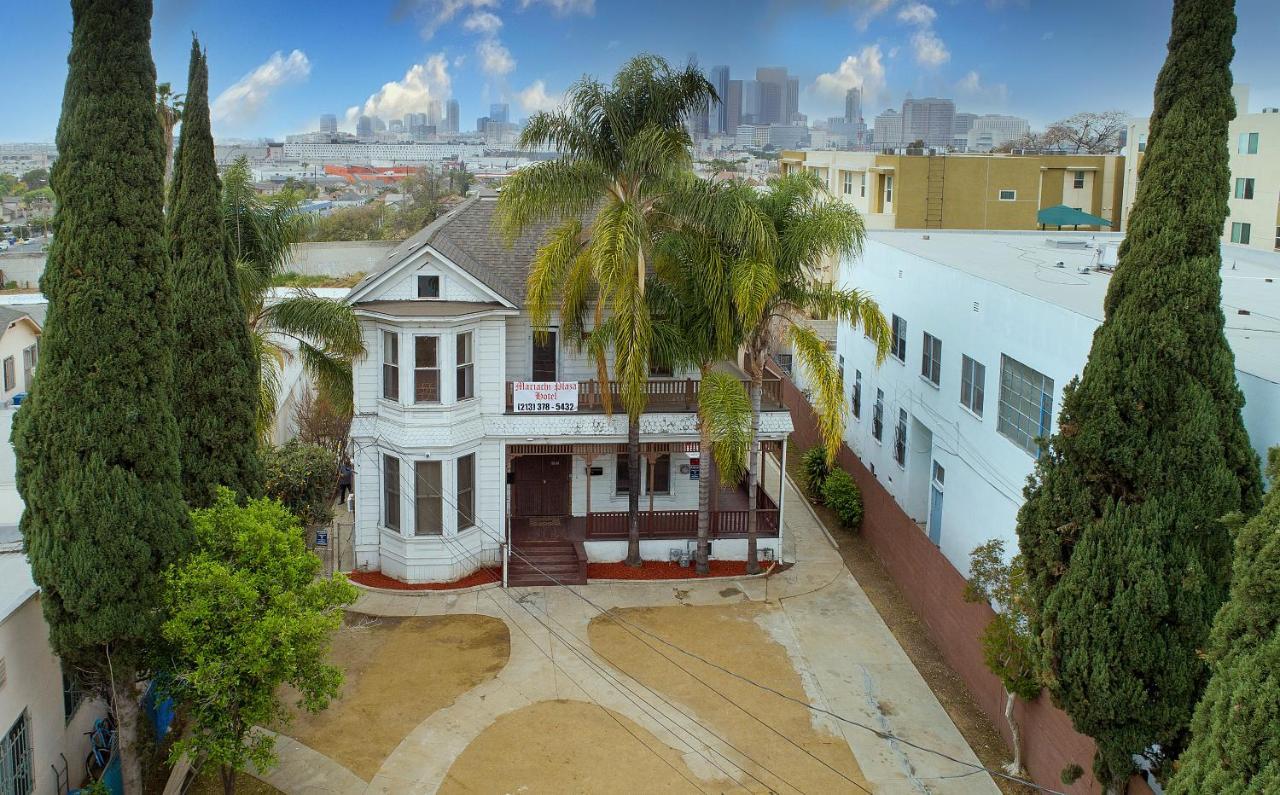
[663, 394]
[612, 525]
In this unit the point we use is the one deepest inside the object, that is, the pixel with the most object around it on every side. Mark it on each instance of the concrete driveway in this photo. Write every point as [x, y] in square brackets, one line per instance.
[845, 661]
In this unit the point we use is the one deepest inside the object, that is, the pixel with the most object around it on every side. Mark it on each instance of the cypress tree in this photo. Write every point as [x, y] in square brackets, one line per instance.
[215, 367]
[1127, 554]
[1235, 735]
[96, 442]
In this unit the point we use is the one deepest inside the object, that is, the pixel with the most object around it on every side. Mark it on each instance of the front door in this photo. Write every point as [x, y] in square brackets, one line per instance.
[935, 503]
[540, 485]
[544, 357]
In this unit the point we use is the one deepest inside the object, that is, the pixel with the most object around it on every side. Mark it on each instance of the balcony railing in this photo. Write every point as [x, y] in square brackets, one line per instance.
[612, 525]
[662, 395]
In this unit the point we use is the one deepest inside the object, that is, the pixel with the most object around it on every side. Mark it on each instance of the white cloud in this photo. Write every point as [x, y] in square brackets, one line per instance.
[564, 7]
[971, 85]
[483, 22]
[434, 14]
[246, 96]
[864, 70]
[535, 98]
[930, 50]
[869, 10]
[495, 59]
[917, 14]
[423, 82]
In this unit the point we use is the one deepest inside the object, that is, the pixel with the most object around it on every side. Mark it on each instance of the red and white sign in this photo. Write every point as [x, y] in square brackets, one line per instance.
[544, 396]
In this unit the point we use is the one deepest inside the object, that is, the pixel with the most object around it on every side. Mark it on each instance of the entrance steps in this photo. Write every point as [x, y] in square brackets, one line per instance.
[547, 563]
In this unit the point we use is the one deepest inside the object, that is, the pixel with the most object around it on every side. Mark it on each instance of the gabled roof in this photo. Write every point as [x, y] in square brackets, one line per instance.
[9, 315]
[467, 237]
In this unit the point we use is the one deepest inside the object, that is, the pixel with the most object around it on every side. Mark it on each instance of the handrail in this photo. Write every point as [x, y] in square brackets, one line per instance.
[680, 394]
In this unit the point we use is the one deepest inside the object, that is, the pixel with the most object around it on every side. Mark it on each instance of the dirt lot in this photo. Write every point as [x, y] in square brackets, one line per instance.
[210, 783]
[398, 672]
[798, 752]
[910, 632]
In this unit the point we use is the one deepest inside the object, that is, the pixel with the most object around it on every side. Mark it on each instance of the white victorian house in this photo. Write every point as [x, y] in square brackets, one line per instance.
[478, 443]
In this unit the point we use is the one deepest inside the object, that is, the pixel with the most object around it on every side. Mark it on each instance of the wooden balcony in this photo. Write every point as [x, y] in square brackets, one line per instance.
[664, 395]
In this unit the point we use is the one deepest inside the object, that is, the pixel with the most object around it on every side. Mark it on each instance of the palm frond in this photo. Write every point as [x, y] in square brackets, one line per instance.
[309, 317]
[550, 268]
[819, 231]
[550, 189]
[855, 307]
[331, 374]
[724, 408]
[820, 366]
[271, 360]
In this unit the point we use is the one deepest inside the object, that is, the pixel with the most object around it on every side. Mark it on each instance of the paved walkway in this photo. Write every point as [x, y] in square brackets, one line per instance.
[849, 661]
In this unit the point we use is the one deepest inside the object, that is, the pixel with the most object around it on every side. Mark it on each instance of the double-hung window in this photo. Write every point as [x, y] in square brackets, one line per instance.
[931, 359]
[899, 348]
[888, 189]
[30, 355]
[466, 386]
[1240, 233]
[1244, 187]
[1026, 404]
[10, 374]
[848, 182]
[1077, 180]
[862, 191]
[877, 416]
[1248, 144]
[466, 491]
[391, 492]
[900, 439]
[856, 398]
[428, 502]
[973, 381]
[426, 369]
[390, 365]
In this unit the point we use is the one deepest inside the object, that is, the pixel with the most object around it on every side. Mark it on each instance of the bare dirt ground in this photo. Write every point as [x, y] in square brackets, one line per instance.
[210, 783]
[570, 746]
[747, 638]
[887, 598]
[398, 672]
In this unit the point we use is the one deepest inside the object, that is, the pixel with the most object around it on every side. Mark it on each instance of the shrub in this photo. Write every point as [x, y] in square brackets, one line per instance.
[842, 496]
[302, 477]
[1071, 774]
[815, 469]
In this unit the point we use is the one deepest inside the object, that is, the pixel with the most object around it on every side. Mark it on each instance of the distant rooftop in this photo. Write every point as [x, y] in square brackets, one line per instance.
[1027, 263]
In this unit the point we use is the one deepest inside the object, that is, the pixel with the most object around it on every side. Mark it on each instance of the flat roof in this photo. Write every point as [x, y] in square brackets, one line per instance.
[1027, 263]
[16, 585]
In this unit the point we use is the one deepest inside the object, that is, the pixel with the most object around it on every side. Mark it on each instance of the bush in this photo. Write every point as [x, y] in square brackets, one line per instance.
[302, 477]
[814, 466]
[842, 496]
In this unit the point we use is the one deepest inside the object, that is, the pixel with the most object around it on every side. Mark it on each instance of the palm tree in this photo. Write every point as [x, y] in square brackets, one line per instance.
[809, 229]
[261, 235]
[169, 111]
[623, 179]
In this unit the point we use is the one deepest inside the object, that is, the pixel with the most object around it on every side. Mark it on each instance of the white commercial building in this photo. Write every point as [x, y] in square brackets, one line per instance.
[379, 153]
[989, 328]
[993, 130]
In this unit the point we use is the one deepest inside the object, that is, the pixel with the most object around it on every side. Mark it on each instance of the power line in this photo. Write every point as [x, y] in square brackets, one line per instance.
[882, 734]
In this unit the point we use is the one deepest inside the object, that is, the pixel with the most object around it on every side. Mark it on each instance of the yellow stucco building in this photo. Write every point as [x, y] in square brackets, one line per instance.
[965, 191]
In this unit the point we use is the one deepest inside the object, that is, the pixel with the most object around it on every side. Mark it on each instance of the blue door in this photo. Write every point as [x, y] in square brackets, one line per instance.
[935, 503]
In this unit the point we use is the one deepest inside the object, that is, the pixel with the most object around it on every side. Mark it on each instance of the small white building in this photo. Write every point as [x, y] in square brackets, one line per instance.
[989, 328]
[473, 433]
[19, 351]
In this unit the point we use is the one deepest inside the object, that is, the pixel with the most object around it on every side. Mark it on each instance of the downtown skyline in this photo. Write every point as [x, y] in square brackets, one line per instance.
[274, 71]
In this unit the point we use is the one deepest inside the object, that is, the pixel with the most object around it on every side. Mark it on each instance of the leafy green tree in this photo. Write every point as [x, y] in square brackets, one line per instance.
[301, 475]
[1126, 550]
[248, 614]
[810, 231]
[1008, 647]
[215, 366]
[624, 178]
[96, 441]
[36, 178]
[261, 236]
[8, 184]
[1235, 734]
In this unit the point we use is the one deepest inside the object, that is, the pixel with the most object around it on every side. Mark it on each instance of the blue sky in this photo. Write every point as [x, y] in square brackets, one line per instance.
[276, 66]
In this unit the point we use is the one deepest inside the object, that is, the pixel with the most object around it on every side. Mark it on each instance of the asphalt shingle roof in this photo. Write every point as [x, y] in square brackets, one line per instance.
[467, 237]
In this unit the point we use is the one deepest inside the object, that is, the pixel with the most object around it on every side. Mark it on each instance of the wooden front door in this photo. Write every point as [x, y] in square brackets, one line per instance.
[544, 357]
[540, 485]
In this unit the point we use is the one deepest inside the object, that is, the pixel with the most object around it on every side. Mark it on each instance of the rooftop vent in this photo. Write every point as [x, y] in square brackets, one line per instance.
[1059, 264]
[1078, 243]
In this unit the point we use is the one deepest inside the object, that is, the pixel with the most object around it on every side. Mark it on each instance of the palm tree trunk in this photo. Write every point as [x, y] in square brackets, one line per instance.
[633, 491]
[754, 463]
[704, 492]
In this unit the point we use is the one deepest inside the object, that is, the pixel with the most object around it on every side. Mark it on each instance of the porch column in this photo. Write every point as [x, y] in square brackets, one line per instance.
[507, 478]
[648, 483]
[782, 492]
[589, 458]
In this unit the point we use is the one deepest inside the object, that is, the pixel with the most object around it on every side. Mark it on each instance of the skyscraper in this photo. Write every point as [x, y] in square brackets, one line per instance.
[718, 121]
[434, 114]
[930, 119]
[853, 106]
[451, 116]
[364, 127]
[791, 101]
[773, 94]
[499, 112]
[888, 129]
[733, 107]
[328, 123]
[751, 102]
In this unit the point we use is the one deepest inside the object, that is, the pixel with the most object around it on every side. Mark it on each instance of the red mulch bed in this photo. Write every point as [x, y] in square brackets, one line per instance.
[663, 570]
[376, 579]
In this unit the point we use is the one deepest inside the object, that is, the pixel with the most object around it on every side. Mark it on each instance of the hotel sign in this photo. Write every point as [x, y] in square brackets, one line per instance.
[544, 396]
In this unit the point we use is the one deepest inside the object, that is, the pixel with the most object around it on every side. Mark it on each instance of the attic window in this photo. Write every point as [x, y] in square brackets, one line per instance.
[428, 286]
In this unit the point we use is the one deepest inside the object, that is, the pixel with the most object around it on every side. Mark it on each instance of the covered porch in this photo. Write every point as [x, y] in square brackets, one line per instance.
[572, 493]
